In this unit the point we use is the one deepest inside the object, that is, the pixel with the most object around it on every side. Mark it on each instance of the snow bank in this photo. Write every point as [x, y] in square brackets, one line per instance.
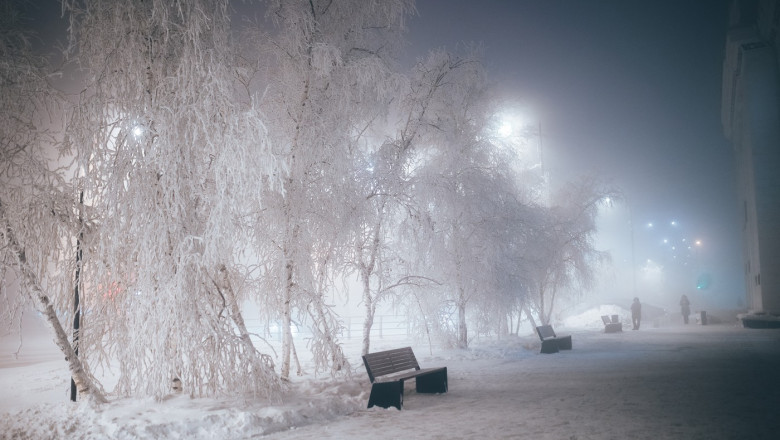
[591, 319]
[179, 416]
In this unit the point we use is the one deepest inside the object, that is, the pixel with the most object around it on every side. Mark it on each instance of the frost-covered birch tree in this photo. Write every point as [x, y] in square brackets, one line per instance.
[562, 252]
[38, 217]
[386, 237]
[329, 70]
[468, 188]
[172, 156]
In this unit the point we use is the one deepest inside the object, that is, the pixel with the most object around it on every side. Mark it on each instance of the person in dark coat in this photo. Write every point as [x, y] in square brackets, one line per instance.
[685, 308]
[636, 313]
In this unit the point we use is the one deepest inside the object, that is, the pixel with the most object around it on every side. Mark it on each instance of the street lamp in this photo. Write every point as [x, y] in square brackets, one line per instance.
[518, 127]
[633, 249]
[505, 130]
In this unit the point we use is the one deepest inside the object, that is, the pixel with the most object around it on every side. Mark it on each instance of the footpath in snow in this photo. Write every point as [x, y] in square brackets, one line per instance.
[679, 382]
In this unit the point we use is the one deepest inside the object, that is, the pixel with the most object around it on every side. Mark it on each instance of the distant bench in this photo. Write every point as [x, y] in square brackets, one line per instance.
[612, 325]
[551, 343]
[388, 370]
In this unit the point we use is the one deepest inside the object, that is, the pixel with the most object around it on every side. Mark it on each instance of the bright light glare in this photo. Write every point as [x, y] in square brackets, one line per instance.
[138, 131]
[505, 130]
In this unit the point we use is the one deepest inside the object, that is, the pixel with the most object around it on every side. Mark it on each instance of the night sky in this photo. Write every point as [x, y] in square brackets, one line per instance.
[629, 90]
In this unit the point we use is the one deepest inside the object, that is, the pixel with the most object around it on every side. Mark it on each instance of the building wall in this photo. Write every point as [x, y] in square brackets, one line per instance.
[751, 121]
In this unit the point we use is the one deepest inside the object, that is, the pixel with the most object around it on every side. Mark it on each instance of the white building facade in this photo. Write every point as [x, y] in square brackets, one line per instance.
[751, 122]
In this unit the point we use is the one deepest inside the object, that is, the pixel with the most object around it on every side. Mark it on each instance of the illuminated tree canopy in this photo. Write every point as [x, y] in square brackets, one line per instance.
[205, 162]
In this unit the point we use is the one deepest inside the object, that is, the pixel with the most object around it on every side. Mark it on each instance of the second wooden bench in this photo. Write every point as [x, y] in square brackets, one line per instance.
[551, 343]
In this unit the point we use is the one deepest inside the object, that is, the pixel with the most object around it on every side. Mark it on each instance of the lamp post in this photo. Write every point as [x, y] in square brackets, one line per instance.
[633, 249]
[76, 299]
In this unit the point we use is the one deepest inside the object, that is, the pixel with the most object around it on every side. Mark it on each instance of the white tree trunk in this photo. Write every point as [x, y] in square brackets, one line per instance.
[325, 347]
[530, 318]
[463, 335]
[262, 364]
[460, 301]
[365, 273]
[287, 321]
[80, 377]
[368, 322]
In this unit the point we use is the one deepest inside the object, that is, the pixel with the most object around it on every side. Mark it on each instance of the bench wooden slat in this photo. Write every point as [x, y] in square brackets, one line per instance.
[409, 374]
[383, 363]
[545, 331]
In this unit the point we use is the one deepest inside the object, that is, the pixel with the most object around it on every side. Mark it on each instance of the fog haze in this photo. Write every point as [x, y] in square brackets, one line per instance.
[629, 91]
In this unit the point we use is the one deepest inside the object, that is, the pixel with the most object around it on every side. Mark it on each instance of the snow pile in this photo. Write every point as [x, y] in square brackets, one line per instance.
[179, 416]
[35, 387]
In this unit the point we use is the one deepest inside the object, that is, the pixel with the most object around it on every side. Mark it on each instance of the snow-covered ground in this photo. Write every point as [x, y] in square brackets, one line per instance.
[666, 381]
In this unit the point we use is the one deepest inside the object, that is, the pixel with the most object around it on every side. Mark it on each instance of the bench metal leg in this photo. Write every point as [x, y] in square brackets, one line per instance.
[387, 394]
[564, 342]
[549, 346]
[434, 382]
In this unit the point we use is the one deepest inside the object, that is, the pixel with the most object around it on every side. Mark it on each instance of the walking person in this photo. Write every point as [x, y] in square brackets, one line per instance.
[636, 313]
[685, 308]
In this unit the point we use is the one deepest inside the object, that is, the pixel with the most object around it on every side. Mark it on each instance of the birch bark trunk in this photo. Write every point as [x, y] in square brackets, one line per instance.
[260, 361]
[82, 380]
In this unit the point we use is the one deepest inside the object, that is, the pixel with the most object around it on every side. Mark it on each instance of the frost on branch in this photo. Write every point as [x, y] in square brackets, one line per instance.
[173, 155]
[331, 69]
[37, 216]
[563, 240]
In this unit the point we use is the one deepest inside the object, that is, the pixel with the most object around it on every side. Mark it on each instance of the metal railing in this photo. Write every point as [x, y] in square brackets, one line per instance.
[384, 327]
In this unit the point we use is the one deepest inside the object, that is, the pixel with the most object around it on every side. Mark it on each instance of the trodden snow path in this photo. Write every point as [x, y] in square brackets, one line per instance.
[694, 382]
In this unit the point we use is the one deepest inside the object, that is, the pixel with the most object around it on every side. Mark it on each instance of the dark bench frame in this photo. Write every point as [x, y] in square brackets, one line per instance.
[612, 325]
[551, 343]
[388, 370]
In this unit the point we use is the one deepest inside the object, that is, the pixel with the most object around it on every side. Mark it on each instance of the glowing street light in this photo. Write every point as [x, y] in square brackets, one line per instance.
[505, 130]
[517, 126]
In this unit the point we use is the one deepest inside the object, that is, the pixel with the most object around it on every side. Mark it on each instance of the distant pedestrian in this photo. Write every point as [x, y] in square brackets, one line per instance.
[685, 308]
[636, 313]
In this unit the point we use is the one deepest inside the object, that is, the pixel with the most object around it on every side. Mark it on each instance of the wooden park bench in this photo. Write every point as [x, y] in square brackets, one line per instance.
[388, 370]
[612, 325]
[551, 343]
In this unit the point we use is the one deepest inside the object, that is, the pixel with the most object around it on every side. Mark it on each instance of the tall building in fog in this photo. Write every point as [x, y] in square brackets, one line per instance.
[751, 122]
